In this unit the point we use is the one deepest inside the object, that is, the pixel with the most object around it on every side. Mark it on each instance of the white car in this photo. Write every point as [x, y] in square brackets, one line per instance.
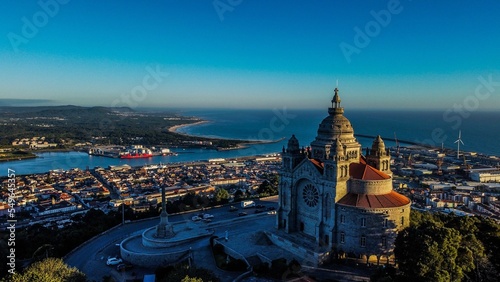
[114, 261]
[207, 216]
[196, 218]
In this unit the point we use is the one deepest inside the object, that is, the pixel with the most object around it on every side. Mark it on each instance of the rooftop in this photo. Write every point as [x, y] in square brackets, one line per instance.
[364, 171]
[390, 200]
[359, 170]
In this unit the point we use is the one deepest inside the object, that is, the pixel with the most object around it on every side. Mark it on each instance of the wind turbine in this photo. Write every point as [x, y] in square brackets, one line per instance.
[459, 140]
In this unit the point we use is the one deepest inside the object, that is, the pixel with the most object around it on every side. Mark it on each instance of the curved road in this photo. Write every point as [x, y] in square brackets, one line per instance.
[91, 257]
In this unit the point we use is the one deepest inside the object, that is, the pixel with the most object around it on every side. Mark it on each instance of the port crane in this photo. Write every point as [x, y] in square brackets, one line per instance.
[397, 145]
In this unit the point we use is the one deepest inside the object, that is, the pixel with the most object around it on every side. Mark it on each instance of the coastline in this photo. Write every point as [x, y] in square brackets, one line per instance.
[17, 158]
[175, 128]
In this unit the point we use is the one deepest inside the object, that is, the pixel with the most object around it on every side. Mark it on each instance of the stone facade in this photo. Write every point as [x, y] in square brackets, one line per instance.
[151, 258]
[367, 232]
[332, 195]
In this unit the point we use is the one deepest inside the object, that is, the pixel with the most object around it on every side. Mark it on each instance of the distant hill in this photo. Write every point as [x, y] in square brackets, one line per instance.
[61, 109]
[106, 125]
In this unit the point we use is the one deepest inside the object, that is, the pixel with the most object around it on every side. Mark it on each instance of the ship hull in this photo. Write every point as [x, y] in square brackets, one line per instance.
[136, 156]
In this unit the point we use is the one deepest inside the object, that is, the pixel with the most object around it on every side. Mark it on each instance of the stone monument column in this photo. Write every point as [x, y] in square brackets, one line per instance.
[164, 228]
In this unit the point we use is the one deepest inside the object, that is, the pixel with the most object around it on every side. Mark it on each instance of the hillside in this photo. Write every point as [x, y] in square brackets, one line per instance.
[76, 124]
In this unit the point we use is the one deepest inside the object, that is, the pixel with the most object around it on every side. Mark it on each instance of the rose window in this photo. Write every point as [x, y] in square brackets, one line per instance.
[310, 195]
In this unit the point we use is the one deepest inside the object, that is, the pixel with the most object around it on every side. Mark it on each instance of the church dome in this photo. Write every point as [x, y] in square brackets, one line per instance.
[335, 125]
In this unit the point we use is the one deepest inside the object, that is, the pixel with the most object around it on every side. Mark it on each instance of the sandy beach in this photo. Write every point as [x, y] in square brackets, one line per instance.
[239, 146]
[176, 127]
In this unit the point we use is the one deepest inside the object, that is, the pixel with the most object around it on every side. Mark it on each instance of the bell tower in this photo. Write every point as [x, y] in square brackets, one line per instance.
[378, 156]
[337, 169]
[292, 155]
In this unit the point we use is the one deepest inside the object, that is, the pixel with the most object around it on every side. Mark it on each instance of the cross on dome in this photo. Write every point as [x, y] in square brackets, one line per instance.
[336, 99]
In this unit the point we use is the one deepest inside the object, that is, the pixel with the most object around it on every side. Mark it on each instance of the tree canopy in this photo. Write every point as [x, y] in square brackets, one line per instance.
[221, 195]
[448, 248]
[49, 270]
[269, 187]
[191, 279]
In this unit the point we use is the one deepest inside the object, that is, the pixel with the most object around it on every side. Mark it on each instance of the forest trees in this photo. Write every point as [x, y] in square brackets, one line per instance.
[49, 270]
[270, 186]
[448, 248]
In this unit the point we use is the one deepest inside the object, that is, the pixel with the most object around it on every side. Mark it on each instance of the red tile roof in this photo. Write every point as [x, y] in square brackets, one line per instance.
[365, 172]
[362, 160]
[359, 170]
[391, 200]
[318, 164]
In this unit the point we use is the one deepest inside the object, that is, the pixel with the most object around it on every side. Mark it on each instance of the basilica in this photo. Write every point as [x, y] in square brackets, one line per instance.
[336, 200]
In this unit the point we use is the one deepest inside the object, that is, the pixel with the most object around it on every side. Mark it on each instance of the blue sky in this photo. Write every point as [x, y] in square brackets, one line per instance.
[250, 53]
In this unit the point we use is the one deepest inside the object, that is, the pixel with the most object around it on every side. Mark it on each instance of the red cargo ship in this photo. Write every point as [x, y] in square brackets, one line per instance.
[136, 154]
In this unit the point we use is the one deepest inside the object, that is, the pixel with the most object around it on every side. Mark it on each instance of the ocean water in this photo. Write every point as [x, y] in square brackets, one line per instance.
[480, 133]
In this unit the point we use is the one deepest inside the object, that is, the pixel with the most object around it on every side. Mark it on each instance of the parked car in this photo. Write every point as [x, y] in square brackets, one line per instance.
[233, 208]
[242, 214]
[208, 216]
[114, 261]
[258, 211]
[196, 218]
[124, 266]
